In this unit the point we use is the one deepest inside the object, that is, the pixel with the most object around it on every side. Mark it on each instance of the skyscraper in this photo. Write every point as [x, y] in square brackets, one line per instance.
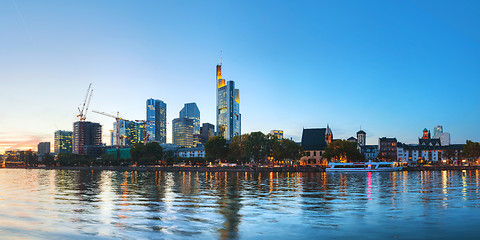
[183, 132]
[43, 148]
[63, 141]
[156, 120]
[86, 134]
[130, 132]
[206, 132]
[190, 110]
[228, 107]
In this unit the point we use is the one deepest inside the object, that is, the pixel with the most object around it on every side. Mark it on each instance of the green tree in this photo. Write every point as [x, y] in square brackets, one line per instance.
[257, 147]
[471, 151]
[343, 150]
[48, 159]
[216, 148]
[146, 154]
[236, 149]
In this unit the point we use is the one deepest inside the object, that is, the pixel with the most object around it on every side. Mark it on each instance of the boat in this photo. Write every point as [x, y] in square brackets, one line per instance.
[363, 167]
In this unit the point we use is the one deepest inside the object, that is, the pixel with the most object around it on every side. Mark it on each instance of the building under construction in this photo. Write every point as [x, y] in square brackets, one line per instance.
[87, 138]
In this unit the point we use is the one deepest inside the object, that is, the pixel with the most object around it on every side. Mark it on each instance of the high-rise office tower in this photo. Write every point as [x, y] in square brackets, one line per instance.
[277, 134]
[206, 132]
[63, 141]
[86, 134]
[228, 107]
[183, 132]
[190, 110]
[43, 148]
[130, 132]
[156, 120]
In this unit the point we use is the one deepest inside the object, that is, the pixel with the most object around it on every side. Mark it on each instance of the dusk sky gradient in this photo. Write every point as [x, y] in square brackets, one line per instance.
[392, 67]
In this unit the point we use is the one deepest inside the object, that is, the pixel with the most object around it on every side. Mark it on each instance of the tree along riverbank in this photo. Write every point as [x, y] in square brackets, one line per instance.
[184, 169]
[234, 169]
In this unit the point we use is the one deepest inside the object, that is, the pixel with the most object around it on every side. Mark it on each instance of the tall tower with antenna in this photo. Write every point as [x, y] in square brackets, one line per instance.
[228, 106]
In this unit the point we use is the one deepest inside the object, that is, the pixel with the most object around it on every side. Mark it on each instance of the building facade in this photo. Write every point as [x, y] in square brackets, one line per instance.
[43, 148]
[191, 152]
[207, 130]
[190, 110]
[277, 133]
[387, 149]
[129, 132]
[314, 142]
[361, 138]
[63, 141]
[228, 107]
[156, 120]
[86, 135]
[370, 152]
[183, 132]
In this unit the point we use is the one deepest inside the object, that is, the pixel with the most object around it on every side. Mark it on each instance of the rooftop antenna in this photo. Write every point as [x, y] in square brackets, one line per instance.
[221, 56]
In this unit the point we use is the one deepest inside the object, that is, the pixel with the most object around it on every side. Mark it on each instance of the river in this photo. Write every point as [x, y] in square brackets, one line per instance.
[68, 204]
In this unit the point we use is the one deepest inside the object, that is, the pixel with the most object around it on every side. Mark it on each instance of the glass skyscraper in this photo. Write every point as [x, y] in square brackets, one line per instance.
[130, 132]
[228, 107]
[183, 132]
[62, 141]
[190, 110]
[156, 120]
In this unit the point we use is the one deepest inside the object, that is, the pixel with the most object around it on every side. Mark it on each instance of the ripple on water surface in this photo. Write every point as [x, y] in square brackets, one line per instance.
[62, 204]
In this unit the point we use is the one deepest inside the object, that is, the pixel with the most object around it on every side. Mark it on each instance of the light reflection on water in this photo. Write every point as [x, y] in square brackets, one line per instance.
[59, 204]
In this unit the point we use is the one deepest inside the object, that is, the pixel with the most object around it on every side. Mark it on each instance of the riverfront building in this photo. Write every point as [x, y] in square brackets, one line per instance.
[87, 138]
[314, 142]
[62, 141]
[156, 120]
[183, 132]
[387, 149]
[228, 107]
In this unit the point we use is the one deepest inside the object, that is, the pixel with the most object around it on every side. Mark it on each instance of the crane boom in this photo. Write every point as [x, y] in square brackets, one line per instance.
[81, 113]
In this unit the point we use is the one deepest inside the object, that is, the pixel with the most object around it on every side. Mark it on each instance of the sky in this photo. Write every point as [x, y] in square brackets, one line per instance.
[389, 67]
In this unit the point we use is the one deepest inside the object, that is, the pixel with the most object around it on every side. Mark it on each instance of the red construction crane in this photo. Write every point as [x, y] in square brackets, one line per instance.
[82, 113]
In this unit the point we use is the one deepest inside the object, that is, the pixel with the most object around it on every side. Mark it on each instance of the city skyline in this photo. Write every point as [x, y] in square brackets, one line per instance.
[392, 68]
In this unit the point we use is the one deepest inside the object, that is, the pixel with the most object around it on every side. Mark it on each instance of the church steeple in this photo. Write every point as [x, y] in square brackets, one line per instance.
[328, 135]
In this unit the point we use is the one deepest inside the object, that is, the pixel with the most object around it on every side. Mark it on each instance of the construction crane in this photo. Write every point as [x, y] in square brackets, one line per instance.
[117, 128]
[82, 112]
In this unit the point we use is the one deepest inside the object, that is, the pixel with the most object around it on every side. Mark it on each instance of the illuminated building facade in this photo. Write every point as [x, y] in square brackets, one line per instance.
[277, 133]
[183, 132]
[86, 136]
[190, 110]
[228, 107]
[130, 132]
[63, 141]
[156, 120]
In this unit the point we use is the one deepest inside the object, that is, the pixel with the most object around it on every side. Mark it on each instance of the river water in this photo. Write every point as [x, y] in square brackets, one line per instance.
[61, 204]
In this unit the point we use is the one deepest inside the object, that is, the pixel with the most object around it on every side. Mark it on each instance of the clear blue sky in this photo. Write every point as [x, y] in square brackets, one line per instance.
[392, 67]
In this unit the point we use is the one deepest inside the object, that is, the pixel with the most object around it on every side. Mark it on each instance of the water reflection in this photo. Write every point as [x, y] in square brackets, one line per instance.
[137, 205]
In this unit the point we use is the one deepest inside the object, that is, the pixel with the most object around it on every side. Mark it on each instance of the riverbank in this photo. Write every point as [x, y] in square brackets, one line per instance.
[187, 169]
[236, 169]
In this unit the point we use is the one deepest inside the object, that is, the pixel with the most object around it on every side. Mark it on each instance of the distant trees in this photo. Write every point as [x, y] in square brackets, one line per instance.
[216, 148]
[343, 150]
[254, 147]
[144, 154]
